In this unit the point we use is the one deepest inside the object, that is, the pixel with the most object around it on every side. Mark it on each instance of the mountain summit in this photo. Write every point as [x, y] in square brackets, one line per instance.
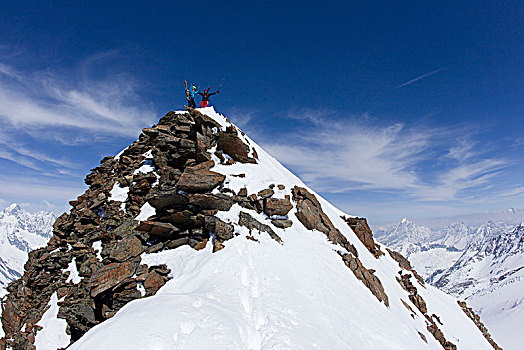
[195, 238]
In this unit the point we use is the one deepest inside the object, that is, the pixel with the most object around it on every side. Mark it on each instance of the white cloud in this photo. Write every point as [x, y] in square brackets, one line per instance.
[8, 71]
[40, 101]
[514, 192]
[48, 204]
[30, 190]
[359, 154]
[462, 150]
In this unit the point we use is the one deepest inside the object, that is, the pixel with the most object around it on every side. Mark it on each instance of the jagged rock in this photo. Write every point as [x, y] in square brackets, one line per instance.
[128, 248]
[233, 146]
[199, 178]
[211, 201]
[181, 219]
[419, 303]
[154, 281]
[476, 319]
[310, 214]
[110, 276]
[405, 264]
[361, 228]
[275, 206]
[399, 258]
[126, 228]
[266, 193]
[175, 243]
[222, 230]
[157, 228]
[367, 277]
[251, 223]
[439, 336]
[282, 223]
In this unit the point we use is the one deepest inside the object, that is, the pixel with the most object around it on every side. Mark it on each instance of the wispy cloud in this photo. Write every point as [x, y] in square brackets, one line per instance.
[45, 114]
[8, 71]
[420, 77]
[361, 154]
[30, 190]
[514, 192]
[42, 100]
[18, 152]
[49, 204]
[462, 150]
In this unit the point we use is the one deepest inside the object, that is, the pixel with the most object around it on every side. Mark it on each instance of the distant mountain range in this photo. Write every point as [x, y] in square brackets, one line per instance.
[21, 232]
[483, 265]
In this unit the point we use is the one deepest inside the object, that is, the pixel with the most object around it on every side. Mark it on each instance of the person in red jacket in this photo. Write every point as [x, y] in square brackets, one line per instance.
[205, 96]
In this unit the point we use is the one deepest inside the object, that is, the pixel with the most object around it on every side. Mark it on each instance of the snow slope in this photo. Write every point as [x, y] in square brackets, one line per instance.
[266, 295]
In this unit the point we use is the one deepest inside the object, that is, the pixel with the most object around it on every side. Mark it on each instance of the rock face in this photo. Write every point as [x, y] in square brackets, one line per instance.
[230, 144]
[275, 206]
[361, 228]
[199, 179]
[248, 221]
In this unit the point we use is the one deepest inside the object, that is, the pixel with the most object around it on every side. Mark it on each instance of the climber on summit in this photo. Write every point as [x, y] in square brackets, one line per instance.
[190, 94]
[205, 96]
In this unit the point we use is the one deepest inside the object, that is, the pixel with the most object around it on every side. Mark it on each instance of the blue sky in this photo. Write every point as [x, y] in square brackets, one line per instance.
[389, 110]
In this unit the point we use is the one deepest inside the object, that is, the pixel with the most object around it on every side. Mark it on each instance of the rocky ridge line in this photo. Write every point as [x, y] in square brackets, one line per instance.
[476, 319]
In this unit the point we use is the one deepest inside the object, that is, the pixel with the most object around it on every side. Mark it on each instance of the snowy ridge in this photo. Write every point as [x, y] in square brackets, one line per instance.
[259, 294]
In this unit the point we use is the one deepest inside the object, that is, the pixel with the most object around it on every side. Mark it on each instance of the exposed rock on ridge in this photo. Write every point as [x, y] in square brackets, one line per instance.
[310, 214]
[476, 319]
[177, 191]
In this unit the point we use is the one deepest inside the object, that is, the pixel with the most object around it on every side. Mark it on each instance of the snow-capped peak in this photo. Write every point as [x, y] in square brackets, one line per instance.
[11, 207]
[21, 232]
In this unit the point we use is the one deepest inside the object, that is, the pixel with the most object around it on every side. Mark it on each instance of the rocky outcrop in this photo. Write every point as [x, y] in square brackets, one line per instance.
[105, 241]
[366, 276]
[439, 336]
[310, 214]
[476, 319]
[404, 263]
[404, 279]
[230, 144]
[363, 231]
[252, 224]
[199, 178]
[275, 206]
